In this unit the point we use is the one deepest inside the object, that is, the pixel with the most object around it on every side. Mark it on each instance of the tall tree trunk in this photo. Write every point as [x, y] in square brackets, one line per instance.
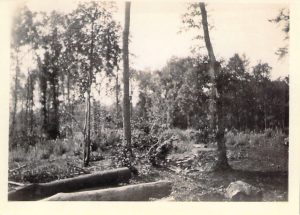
[43, 96]
[69, 105]
[27, 109]
[126, 99]
[15, 97]
[99, 114]
[117, 100]
[54, 119]
[31, 103]
[87, 132]
[130, 99]
[95, 116]
[215, 106]
[265, 114]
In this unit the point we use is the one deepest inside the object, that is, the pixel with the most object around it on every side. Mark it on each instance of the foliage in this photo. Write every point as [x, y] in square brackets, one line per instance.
[283, 19]
[68, 51]
[268, 138]
[177, 96]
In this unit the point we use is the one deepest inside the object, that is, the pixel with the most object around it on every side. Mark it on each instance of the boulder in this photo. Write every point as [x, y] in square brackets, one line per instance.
[242, 191]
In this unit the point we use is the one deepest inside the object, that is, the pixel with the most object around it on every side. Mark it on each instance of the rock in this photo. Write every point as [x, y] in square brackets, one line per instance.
[242, 191]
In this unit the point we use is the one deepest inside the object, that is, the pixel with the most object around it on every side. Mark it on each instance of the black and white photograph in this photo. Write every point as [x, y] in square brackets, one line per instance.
[149, 101]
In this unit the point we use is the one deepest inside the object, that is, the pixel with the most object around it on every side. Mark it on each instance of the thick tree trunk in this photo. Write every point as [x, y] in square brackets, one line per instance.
[15, 95]
[96, 180]
[215, 106]
[137, 192]
[87, 131]
[55, 104]
[126, 99]
[43, 98]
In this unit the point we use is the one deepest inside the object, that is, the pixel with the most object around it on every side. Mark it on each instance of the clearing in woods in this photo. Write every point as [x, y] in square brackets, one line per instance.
[263, 165]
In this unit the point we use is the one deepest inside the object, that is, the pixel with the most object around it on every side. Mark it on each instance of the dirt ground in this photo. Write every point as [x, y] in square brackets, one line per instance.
[263, 167]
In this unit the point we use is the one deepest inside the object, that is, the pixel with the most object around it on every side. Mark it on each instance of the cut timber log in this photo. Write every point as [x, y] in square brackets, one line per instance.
[15, 183]
[95, 180]
[137, 192]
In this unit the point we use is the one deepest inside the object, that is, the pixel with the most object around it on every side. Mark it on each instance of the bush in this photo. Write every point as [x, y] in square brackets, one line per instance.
[18, 154]
[107, 139]
[62, 146]
[182, 140]
[238, 139]
[269, 138]
[256, 139]
[230, 139]
[142, 140]
[269, 133]
[175, 133]
[242, 139]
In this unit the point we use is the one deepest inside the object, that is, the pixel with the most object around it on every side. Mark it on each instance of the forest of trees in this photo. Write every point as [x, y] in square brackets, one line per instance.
[177, 96]
[72, 54]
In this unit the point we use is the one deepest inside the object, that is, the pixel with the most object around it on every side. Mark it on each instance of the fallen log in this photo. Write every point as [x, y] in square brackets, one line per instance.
[15, 183]
[137, 192]
[43, 190]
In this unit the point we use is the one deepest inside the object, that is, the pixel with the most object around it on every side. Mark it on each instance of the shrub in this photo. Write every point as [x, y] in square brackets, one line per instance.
[240, 138]
[256, 139]
[45, 154]
[181, 147]
[142, 140]
[175, 133]
[269, 138]
[181, 139]
[62, 146]
[107, 139]
[196, 136]
[18, 154]
[269, 133]
[230, 139]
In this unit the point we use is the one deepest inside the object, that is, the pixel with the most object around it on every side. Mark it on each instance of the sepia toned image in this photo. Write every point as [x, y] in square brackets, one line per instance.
[149, 101]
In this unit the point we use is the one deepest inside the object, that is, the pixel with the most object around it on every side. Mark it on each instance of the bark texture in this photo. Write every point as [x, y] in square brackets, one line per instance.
[138, 192]
[87, 127]
[215, 105]
[126, 99]
[43, 190]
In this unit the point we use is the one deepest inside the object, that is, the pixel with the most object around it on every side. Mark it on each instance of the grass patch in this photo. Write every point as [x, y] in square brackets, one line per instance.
[268, 138]
[43, 150]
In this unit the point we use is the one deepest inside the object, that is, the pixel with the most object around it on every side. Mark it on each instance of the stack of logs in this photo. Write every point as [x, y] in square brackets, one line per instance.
[101, 186]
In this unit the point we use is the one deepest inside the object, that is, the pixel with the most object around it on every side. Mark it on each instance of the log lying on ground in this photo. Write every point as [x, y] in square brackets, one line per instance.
[137, 192]
[15, 183]
[43, 190]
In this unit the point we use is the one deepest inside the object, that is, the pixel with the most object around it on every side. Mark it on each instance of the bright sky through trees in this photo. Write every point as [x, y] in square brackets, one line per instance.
[238, 28]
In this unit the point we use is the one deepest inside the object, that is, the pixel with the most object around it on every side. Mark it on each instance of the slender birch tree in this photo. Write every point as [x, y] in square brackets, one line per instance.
[126, 99]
